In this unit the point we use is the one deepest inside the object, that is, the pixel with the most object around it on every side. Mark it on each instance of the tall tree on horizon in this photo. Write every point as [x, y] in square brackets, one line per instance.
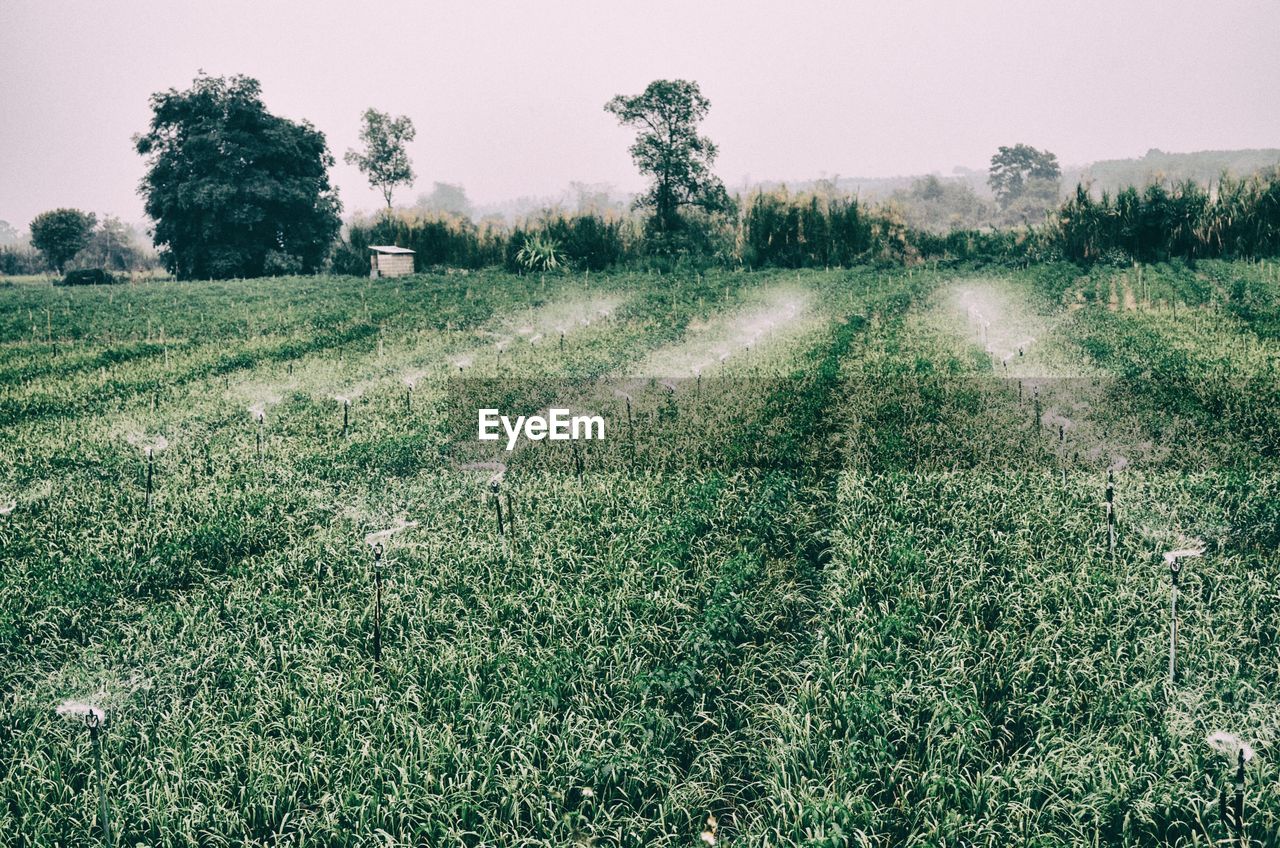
[1021, 170]
[385, 160]
[234, 190]
[60, 234]
[669, 149]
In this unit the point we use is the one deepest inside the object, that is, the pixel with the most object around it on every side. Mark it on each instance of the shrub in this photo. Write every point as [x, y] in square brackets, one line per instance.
[89, 277]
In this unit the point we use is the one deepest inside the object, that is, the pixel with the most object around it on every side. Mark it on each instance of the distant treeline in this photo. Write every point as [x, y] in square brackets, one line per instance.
[772, 229]
[1240, 218]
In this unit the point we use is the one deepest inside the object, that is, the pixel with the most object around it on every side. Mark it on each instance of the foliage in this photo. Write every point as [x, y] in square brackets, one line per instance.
[88, 277]
[228, 183]
[1241, 219]
[1023, 172]
[60, 234]
[445, 199]
[113, 246]
[9, 235]
[20, 260]
[941, 205]
[539, 253]
[384, 160]
[669, 149]
[587, 242]
[844, 588]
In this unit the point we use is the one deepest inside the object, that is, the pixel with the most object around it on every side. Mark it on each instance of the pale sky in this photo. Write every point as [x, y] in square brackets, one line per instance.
[507, 96]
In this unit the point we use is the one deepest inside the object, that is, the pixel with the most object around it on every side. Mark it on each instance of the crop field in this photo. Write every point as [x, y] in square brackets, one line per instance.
[867, 557]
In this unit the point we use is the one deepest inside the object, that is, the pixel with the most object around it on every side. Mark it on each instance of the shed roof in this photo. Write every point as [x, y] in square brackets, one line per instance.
[388, 248]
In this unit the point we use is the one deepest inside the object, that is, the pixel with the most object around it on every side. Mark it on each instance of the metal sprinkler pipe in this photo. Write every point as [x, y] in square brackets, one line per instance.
[94, 722]
[377, 603]
[346, 417]
[151, 466]
[497, 505]
[1174, 568]
[1111, 513]
[1239, 799]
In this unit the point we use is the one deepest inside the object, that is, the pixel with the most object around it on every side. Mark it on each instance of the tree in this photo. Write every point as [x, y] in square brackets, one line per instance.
[1022, 170]
[112, 246]
[234, 190]
[60, 234]
[384, 160]
[669, 149]
[8, 234]
[446, 198]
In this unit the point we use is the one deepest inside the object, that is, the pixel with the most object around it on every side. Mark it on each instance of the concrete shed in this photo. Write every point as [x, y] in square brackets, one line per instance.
[387, 260]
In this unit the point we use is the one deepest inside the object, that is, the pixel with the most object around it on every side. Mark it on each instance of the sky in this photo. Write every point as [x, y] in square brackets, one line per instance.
[508, 97]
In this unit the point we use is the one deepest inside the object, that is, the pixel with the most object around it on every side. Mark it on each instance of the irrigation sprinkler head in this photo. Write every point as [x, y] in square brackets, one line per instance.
[1174, 558]
[93, 717]
[377, 552]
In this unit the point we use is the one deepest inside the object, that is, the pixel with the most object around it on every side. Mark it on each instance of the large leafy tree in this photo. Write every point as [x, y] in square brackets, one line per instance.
[60, 234]
[385, 159]
[234, 190]
[669, 149]
[1022, 170]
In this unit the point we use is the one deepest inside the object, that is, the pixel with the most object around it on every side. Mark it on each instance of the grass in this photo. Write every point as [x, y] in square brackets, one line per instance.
[833, 585]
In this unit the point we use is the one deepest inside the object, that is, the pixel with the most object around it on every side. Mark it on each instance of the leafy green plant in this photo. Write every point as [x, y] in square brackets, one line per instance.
[539, 253]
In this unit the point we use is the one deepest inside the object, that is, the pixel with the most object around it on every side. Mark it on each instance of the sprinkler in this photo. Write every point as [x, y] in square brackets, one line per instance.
[94, 720]
[1174, 568]
[346, 417]
[1111, 513]
[408, 398]
[377, 602]
[497, 505]
[1231, 810]
[262, 422]
[1174, 559]
[151, 467]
